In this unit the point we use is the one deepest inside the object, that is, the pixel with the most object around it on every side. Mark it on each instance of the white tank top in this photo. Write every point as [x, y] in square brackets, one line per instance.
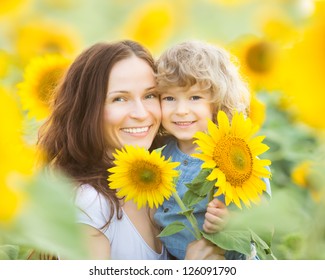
[125, 241]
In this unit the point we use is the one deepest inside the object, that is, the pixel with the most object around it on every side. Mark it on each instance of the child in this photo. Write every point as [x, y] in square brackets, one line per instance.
[195, 80]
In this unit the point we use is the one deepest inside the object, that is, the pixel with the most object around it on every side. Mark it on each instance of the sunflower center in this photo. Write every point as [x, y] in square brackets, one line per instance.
[48, 83]
[52, 47]
[260, 57]
[146, 175]
[234, 159]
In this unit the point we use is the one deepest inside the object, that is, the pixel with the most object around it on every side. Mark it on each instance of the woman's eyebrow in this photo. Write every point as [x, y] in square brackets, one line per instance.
[150, 88]
[118, 91]
[126, 91]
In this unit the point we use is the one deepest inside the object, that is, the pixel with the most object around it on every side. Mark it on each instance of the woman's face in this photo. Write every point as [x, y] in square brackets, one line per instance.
[132, 111]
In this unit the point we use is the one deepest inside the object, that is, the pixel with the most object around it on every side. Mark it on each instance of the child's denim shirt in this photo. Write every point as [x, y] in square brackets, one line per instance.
[167, 213]
[190, 167]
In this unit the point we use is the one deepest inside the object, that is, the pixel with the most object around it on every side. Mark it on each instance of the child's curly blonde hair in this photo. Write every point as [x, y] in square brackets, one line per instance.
[209, 66]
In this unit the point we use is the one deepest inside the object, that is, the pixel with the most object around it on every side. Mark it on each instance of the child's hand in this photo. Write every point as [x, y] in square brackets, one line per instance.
[215, 217]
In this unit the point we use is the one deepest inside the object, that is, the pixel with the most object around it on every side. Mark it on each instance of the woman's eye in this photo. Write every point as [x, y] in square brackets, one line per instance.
[119, 99]
[168, 98]
[151, 95]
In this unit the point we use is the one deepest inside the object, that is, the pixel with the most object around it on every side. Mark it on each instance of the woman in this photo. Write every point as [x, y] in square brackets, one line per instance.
[106, 100]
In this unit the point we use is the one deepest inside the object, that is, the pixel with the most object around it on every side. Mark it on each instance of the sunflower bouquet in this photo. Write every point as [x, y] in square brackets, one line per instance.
[231, 167]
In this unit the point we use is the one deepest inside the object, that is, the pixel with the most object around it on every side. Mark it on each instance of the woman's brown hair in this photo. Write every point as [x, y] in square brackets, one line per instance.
[73, 137]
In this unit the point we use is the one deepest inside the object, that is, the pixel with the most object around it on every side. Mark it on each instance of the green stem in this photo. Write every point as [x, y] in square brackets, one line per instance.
[190, 217]
[210, 194]
[274, 257]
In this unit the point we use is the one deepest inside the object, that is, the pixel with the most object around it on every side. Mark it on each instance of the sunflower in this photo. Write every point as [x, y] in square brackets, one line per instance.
[40, 78]
[300, 172]
[230, 151]
[258, 58]
[5, 63]
[279, 28]
[39, 38]
[142, 176]
[257, 111]
[303, 69]
[12, 147]
[152, 24]
[10, 202]
[305, 176]
[8, 7]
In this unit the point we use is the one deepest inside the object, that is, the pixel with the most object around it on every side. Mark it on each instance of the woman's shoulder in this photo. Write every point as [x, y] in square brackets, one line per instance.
[86, 195]
[92, 203]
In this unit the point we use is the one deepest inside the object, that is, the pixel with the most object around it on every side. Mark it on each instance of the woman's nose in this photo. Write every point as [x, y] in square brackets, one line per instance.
[139, 110]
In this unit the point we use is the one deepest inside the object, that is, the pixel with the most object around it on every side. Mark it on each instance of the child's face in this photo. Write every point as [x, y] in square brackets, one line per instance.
[185, 112]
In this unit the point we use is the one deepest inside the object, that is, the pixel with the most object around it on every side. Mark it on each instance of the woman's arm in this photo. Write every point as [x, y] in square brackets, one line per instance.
[204, 250]
[93, 211]
[97, 243]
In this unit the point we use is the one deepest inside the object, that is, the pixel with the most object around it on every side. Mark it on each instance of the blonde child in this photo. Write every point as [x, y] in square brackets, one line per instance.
[195, 80]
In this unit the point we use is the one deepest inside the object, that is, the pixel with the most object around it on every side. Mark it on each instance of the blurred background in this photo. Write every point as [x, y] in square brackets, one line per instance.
[280, 49]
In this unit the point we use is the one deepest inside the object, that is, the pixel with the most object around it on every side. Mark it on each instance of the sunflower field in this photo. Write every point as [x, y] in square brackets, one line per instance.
[280, 49]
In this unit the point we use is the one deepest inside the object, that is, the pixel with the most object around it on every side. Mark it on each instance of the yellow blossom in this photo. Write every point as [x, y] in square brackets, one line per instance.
[152, 24]
[41, 77]
[231, 152]
[145, 177]
[41, 38]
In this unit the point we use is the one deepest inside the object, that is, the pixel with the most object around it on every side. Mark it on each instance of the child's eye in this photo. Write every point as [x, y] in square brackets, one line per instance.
[195, 97]
[168, 98]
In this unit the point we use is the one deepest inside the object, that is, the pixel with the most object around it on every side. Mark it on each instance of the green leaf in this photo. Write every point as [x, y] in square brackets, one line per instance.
[172, 229]
[186, 212]
[265, 248]
[237, 240]
[259, 241]
[200, 185]
[48, 221]
[9, 252]
[190, 198]
[160, 149]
